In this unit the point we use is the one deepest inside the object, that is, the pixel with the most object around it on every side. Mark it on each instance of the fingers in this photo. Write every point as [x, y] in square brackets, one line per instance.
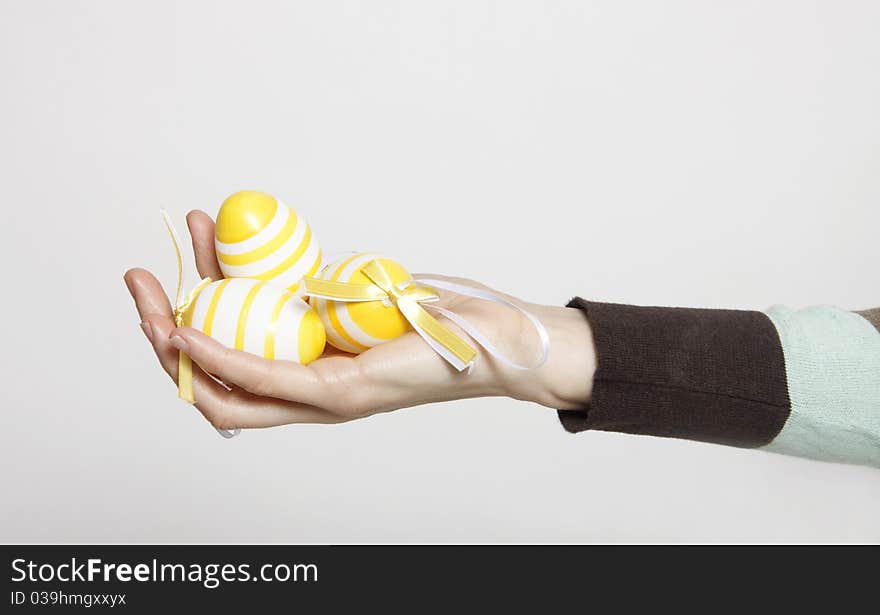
[223, 408]
[243, 410]
[208, 392]
[400, 373]
[259, 376]
[149, 297]
[157, 328]
[201, 229]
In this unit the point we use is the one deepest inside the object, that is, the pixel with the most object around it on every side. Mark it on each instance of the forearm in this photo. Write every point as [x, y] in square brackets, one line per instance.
[804, 383]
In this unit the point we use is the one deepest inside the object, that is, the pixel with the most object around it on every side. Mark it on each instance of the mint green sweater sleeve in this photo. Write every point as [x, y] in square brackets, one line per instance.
[832, 367]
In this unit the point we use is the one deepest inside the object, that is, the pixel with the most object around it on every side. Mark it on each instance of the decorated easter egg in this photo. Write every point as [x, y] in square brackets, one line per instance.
[259, 237]
[357, 326]
[258, 317]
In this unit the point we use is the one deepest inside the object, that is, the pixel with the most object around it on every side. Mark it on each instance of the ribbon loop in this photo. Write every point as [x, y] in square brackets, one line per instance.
[378, 276]
[409, 296]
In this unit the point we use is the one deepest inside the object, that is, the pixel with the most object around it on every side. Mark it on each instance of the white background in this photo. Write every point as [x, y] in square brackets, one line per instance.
[712, 154]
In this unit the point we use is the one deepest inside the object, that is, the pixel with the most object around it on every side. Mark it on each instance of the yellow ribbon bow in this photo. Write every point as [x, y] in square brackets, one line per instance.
[407, 296]
[181, 307]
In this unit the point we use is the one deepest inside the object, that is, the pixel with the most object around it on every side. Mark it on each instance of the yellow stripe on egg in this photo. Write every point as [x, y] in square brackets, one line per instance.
[296, 288]
[290, 260]
[260, 318]
[261, 238]
[243, 315]
[266, 249]
[269, 346]
[208, 327]
[333, 313]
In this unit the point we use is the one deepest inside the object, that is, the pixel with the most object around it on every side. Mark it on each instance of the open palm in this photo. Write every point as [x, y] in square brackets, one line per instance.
[338, 387]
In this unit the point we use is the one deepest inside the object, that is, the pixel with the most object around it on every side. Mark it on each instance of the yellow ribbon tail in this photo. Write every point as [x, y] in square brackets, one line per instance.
[406, 297]
[184, 362]
[446, 343]
[185, 379]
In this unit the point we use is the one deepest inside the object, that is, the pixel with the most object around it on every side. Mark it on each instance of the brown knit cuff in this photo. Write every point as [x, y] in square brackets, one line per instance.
[709, 375]
[872, 316]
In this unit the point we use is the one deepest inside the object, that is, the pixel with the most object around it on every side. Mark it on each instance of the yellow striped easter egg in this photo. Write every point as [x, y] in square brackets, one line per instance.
[358, 326]
[258, 317]
[259, 237]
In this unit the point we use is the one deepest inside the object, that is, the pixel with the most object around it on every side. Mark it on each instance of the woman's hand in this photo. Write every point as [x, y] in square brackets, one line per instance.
[339, 387]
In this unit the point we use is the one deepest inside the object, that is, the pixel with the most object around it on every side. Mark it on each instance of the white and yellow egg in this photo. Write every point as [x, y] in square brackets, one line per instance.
[357, 326]
[259, 237]
[259, 317]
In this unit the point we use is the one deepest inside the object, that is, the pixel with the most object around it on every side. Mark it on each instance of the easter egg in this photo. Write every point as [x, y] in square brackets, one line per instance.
[358, 326]
[258, 317]
[259, 237]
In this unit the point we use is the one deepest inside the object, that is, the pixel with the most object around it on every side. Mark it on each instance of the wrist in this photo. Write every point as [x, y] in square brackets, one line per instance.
[565, 381]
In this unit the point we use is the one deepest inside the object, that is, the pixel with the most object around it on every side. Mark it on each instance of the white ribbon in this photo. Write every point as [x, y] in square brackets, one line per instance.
[474, 333]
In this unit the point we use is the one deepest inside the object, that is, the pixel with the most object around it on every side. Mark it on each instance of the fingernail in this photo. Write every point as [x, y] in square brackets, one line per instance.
[179, 343]
[148, 330]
